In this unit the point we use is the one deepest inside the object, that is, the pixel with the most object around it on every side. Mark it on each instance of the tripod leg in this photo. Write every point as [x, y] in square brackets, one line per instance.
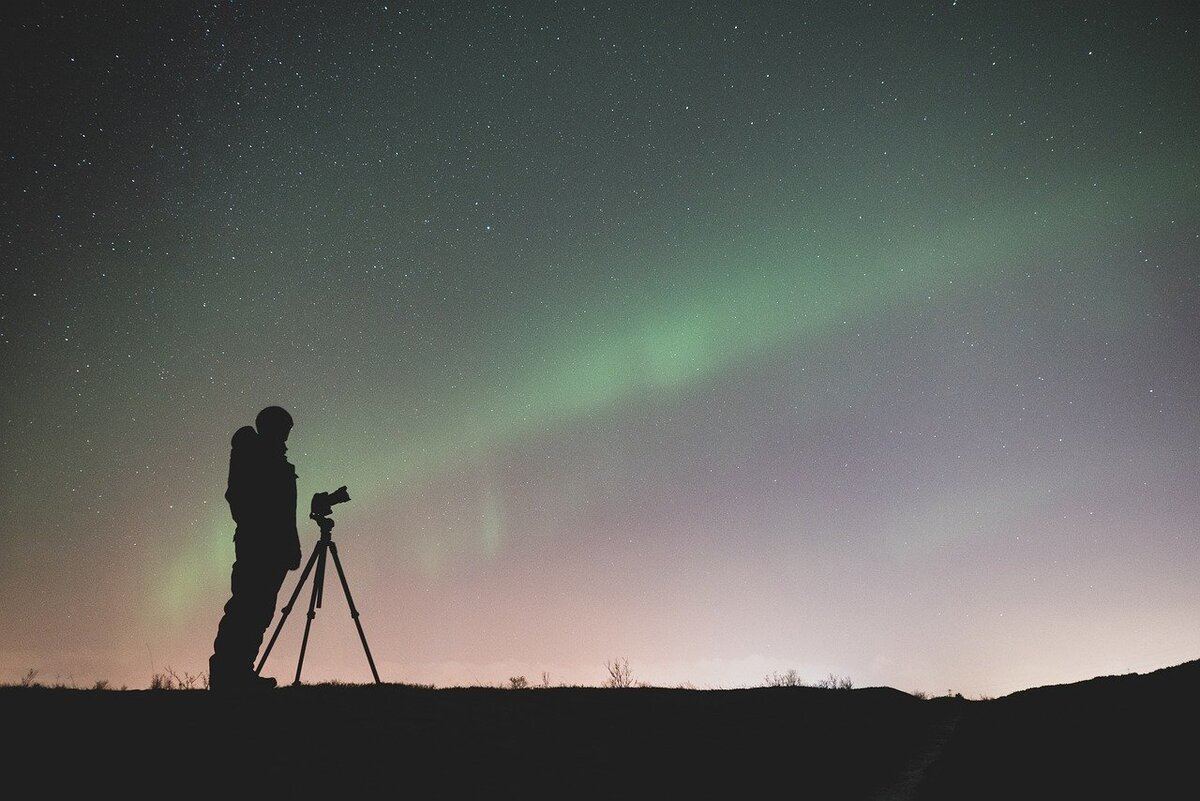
[353, 610]
[287, 609]
[318, 579]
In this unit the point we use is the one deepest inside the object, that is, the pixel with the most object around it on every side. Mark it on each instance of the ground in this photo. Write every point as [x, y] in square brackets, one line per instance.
[1081, 740]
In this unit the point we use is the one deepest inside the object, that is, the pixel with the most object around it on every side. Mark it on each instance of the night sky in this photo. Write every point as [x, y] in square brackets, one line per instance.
[729, 339]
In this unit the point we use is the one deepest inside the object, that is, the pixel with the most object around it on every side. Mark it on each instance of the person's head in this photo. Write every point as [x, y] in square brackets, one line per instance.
[273, 424]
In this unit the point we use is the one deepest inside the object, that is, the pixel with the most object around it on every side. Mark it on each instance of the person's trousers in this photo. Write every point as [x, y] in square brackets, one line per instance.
[254, 586]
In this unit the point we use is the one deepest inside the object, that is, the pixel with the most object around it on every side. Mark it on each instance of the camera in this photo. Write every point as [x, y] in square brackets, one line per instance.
[323, 502]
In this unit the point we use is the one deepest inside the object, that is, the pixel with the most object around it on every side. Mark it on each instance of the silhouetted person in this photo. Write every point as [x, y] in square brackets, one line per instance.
[262, 500]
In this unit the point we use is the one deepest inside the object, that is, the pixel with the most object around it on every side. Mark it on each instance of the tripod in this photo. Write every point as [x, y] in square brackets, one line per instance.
[325, 545]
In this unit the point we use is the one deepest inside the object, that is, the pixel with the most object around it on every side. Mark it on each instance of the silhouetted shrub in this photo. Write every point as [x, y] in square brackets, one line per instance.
[30, 678]
[101, 684]
[170, 680]
[834, 682]
[619, 674]
[518, 683]
[789, 679]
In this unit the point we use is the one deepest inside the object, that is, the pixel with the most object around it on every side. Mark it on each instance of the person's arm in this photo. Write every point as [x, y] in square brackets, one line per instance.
[292, 534]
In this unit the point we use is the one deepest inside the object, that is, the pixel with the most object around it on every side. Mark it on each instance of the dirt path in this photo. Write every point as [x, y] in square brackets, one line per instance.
[905, 786]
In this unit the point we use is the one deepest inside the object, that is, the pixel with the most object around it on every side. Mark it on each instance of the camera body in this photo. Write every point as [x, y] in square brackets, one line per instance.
[323, 502]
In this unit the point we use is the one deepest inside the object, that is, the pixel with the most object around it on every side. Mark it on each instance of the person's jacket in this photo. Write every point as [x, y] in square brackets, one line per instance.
[262, 499]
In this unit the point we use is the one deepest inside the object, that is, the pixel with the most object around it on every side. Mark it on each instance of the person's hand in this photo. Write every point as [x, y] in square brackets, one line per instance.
[294, 561]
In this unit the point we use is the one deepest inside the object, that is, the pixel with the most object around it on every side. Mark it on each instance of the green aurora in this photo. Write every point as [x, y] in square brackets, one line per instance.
[717, 313]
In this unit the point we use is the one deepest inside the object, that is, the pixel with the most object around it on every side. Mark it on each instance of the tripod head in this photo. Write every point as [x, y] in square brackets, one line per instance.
[325, 524]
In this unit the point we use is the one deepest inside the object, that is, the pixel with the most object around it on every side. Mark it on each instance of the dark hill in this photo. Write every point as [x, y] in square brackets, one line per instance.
[1130, 736]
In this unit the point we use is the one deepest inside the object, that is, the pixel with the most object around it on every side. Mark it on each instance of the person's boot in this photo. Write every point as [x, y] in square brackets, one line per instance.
[218, 674]
[263, 682]
[239, 679]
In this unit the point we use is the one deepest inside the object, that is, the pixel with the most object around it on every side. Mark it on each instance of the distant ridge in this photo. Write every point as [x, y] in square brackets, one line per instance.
[1184, 672]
